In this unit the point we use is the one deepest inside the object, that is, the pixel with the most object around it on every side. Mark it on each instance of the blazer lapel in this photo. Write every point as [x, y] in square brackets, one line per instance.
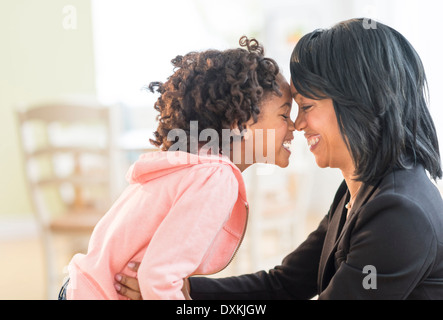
[334, 229]
[337, 227]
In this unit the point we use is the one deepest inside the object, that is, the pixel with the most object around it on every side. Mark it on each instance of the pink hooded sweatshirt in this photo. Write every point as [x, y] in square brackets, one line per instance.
[181, 215]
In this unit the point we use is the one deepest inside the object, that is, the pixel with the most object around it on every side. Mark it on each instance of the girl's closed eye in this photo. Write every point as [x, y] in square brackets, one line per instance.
[306, 108]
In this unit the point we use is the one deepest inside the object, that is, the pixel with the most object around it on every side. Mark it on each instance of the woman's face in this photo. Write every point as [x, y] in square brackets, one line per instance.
[318, 120]
[274, 120]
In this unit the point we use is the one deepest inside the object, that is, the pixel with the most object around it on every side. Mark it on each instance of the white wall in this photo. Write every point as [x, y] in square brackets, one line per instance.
[39, 60]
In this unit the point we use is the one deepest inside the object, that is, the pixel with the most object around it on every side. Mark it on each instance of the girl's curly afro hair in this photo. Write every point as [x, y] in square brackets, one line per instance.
[219, 89]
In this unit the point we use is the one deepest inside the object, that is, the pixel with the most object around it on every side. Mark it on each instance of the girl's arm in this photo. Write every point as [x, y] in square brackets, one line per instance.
[205, 201]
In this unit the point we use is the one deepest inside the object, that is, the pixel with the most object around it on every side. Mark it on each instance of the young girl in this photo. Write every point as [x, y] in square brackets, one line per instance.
[181, 218]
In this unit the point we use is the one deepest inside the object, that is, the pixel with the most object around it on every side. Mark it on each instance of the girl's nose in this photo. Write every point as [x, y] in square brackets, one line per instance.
[291, 125]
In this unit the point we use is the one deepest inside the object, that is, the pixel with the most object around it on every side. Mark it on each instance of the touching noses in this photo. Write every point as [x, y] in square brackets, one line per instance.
[291, 126]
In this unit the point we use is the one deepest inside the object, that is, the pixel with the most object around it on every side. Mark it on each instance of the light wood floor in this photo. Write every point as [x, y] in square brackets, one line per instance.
[22, 269]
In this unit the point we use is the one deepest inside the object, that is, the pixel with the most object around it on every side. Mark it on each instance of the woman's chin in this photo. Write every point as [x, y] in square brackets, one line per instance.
[321, 164]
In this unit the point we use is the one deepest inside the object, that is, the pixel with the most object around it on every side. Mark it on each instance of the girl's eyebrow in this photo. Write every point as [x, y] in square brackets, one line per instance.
[287, 104]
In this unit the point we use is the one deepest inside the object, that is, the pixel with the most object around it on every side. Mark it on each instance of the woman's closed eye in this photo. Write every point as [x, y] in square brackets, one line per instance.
[306, 108]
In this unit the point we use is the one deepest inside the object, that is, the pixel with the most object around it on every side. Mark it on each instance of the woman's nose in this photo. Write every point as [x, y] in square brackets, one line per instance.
[300, 122]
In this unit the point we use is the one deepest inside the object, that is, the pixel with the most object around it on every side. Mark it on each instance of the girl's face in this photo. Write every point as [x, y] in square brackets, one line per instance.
[273, 132]
[318, 120]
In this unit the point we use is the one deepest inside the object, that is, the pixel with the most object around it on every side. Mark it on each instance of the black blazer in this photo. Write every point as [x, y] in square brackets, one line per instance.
[390, 247]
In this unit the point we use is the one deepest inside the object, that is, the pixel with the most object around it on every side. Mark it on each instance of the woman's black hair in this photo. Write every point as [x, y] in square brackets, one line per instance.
[378, 86]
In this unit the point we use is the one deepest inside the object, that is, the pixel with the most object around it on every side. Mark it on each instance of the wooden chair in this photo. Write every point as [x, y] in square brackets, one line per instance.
[67, 161]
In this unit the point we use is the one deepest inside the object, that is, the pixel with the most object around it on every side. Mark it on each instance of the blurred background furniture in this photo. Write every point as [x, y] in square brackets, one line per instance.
[67, 149]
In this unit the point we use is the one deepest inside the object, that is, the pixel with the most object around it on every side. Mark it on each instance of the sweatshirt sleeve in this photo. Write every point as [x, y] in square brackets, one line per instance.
[203, 205]
[295, 278]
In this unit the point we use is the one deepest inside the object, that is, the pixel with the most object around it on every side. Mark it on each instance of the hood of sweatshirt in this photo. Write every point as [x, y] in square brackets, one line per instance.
[153, 165]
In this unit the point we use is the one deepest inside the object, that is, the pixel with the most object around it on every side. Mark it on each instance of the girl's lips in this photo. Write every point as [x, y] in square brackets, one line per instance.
[287, 145]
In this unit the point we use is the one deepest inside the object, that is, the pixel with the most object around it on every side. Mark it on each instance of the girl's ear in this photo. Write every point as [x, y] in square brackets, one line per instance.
[246, 132]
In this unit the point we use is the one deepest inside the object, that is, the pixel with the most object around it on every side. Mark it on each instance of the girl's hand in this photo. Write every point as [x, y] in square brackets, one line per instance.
[128, 286]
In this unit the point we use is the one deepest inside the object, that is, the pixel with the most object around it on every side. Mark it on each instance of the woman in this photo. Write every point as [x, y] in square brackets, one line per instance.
[185, 211]
[362, 108]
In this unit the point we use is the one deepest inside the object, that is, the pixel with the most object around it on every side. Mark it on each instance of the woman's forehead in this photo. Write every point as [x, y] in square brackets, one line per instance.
[294, 92]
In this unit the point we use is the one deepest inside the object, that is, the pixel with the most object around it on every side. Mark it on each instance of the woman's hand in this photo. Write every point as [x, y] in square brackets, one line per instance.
[129, 288]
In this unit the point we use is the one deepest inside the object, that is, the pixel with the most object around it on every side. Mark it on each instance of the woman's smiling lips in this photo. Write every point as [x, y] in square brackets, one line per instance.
[313, 140]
